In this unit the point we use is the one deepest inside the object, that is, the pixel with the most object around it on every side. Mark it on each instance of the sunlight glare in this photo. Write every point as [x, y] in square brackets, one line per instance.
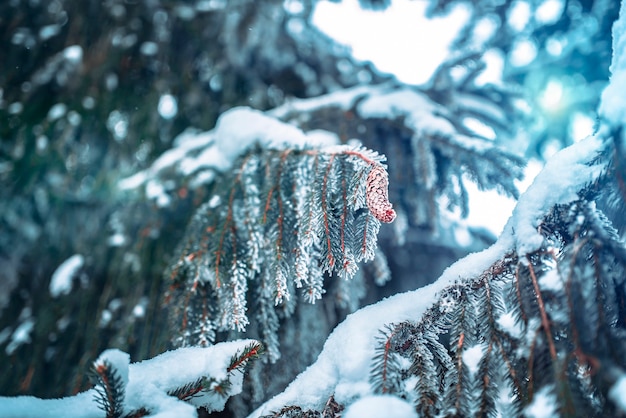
[549, 12]
[552, 97]
[378, 36]
[581, 126]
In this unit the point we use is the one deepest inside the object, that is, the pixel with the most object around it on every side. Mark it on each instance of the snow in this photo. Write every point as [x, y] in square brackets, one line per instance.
[617, 393]
[564, 175]
[472, 356]
[544, 405]
[79, 406]
[613, 101]
[380, 406]
[156, 191]
[49, 31]
[509, 325]
[551, 281]
[57, 111]
[168, 106]
[117, 240]
[523, 53]
[519, 15]
[61, 282]
[118, 361]
[174, 369]
[73, 53]
[343, 99]
[549, 11]
[148, 384]
[342, 367]
[419, 111]
[236, 131]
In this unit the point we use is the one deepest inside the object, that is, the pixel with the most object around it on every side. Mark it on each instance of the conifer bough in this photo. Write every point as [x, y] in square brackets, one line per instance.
[287, 215]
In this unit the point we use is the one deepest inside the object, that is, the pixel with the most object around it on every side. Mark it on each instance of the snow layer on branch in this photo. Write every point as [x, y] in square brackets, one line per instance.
[176, 368]
[343, 99]
[613, 101]
[148, 384]
[559, 182]
[79, 406]
[236, 131]
[472, 356]
[343, 366]
[544, 405]
[380, 406]
[61, 282]
[416, 107]
[21, 335]
[119, 360]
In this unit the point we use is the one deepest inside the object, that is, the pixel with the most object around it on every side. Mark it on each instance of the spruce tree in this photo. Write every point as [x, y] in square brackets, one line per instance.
[125, 170]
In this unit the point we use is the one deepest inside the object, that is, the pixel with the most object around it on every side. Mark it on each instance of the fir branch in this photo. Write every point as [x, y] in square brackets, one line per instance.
[300, 201]
[189, 390]
[441, 151]
[110, 388]
[545, 323]
[565, 304]
[240, 360]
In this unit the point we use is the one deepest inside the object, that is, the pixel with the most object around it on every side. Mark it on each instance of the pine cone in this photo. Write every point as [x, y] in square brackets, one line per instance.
[377, 197]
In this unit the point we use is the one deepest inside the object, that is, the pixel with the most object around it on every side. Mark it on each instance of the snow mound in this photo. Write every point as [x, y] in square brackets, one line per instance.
[237, 130]
[380, 406]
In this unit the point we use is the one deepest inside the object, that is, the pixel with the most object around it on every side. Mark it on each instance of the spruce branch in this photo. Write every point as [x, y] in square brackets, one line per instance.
[240, 360]
[110, 388]
[551, 316]
[189, 390]
[419, 130]
[288, 216]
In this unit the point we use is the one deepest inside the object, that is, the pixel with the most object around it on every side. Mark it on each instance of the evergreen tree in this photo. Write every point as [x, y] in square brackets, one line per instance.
[119, 201]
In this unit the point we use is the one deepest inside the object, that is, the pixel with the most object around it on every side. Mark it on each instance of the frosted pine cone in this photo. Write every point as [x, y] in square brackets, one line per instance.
[376, 195]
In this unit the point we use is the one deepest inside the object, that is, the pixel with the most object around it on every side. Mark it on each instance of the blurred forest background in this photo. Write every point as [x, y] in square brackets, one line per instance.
[92, 92]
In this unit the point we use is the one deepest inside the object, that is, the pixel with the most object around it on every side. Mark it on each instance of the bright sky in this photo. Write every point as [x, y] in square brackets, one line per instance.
[398, 40]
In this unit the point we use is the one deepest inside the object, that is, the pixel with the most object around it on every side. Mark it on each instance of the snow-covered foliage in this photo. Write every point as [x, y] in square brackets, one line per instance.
[438, 151]
[207, 135]
[290, 209]
[529, 326]
[172, 384]
[466, 370]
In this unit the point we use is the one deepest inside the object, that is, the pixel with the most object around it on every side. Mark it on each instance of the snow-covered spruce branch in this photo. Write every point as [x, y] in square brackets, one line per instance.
[533, 325]
[175, 383]
[284, 218]
[543, 329]
[403, 121]
[534, 320]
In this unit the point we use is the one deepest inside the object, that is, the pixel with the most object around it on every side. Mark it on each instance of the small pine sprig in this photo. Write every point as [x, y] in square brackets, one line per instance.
[240, 361]
[188, 391]
[110, 388]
